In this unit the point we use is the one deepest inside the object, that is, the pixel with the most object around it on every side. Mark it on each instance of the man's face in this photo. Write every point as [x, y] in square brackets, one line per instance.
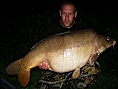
[68, 15]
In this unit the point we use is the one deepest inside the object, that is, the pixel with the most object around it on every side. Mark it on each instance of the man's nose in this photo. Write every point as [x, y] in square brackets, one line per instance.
[67, 17]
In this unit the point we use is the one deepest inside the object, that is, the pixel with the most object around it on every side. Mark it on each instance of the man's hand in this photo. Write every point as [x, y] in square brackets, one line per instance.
[44, 65]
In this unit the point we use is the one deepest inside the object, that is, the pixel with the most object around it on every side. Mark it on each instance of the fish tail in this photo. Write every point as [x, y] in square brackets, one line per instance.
[14, 67]
[23, 76]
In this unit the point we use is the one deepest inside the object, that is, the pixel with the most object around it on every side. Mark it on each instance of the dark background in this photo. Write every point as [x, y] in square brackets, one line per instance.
[12, 11]
[19, 7]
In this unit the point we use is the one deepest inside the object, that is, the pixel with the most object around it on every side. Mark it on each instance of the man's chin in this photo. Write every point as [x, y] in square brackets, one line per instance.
[67, 25]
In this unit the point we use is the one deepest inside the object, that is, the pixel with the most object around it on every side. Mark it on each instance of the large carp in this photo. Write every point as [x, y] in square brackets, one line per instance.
[63, 52]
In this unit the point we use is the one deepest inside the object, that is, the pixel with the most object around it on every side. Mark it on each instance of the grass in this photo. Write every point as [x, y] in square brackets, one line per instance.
[18, 36]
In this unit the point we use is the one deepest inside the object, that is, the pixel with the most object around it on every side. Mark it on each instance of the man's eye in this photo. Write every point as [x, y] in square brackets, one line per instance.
[63, 13]
[71, 13]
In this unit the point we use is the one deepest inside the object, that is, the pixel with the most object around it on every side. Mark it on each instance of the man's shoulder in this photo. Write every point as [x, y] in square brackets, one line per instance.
[52, 28]
[52, 25]
[77, 26]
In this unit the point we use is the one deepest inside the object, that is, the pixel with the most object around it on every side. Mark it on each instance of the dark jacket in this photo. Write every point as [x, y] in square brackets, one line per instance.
[56, 28]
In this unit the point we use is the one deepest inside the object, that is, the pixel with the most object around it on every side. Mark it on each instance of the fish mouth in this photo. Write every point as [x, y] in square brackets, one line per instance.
[114, 42]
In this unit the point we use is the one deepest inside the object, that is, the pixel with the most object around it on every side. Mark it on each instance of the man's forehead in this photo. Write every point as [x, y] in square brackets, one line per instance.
[68, 8]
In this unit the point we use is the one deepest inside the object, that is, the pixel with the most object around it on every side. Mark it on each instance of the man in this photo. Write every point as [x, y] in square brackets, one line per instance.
[67, 21]
[68, 14]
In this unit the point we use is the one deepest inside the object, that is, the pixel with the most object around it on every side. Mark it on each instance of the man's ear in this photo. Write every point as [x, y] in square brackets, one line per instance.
[60, 12]
[76, 14]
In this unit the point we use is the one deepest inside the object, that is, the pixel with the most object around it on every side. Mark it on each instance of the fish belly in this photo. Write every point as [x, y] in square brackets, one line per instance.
[70, 59]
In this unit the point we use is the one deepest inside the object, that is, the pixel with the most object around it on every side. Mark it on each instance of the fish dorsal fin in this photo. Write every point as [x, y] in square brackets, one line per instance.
[23, 76]
[76, 73]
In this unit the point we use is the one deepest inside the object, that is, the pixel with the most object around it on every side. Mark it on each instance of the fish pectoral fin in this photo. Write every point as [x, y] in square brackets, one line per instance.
[24, 77]
[76, 73]
[93, 58]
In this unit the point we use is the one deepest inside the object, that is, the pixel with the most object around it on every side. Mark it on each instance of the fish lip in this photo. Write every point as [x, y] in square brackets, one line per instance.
[114, 42]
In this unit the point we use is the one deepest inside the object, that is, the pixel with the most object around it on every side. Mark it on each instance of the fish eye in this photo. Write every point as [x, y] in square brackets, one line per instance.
[108, 38]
